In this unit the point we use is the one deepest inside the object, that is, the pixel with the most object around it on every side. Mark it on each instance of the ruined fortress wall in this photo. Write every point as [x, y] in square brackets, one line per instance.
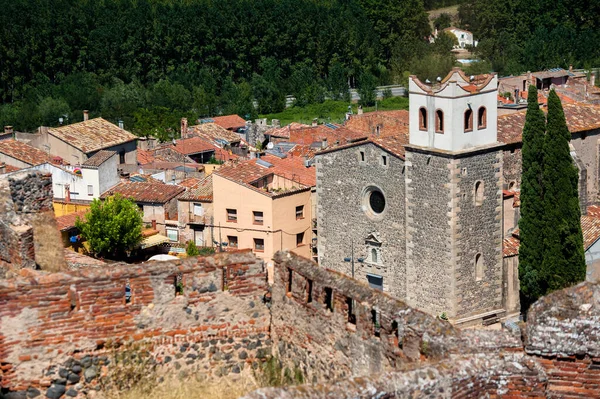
[384, 334]
[59, 330]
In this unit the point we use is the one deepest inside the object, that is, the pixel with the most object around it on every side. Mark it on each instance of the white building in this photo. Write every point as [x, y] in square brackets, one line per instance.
[464, 37]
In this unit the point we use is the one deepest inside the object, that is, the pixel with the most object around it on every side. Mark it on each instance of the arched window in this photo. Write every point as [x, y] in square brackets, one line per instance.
[468, 120]
[373, 255]
[481, 118]
[439, 121]
[478, 193]
[422, 118]
[478, 267]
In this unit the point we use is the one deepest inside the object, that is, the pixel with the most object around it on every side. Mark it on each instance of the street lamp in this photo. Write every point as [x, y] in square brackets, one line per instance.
[351, 258]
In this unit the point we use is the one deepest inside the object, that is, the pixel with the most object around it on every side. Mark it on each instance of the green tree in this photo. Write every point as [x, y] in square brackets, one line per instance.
[531, 223]
[367, 84]
[51, 109]
[443, 21]
[192, 249]
[564, 259]
[337, 82]
[112, 227]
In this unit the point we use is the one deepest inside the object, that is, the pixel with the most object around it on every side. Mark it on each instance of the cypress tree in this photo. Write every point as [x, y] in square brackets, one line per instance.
[564, 259]
[531, 223]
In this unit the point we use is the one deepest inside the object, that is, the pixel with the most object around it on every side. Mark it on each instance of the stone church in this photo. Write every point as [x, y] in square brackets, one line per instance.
[418, 213]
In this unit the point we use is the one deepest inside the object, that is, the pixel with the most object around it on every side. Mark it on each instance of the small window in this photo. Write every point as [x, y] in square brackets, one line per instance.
[468, 120]
[478, 193]
[232, 241]
[422, 118]
[351, 315]
[232, 215]
[329, 298]
[384, 160]
[481, 118]
[290, 281]
[374, 257]
[198, 210]
[300, 239]
[173, 235]
[362, 156]
[127, 293]
[377, 130]
[178, 282]
[259, 244]
[122, 157]
[439, 121]
[90, 189]
[478, 267]
[309, 288]
[258, 217]
[300, 212]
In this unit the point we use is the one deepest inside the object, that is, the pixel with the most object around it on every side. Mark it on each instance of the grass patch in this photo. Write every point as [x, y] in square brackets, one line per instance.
[332, 111]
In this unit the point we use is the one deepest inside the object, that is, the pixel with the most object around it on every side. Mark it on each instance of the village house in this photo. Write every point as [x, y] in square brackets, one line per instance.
[264, 204]
[195, 213]
[229, 122]
[77, 142]
[157, 201]
[216, 135]
[21, 155]
[464, 37]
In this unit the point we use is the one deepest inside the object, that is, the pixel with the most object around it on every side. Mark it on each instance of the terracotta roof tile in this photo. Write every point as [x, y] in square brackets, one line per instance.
[67, 222]
[202, 191]
[389, 122]
[315, 134]
[580, 118]
[193, 145]
[4, 168]
[510, 246]
[144, 156]
[284, 132]
[23, 152]
[99, 158]
[212, 132]
[145, 192]
[190, 182]
[229, 122]
[92, 135]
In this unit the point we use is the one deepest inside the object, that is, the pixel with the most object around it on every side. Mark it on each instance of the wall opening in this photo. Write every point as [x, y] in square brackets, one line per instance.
[351, 314]
[481, 118]
[422, 118]
[478, 193]
[178, 281]
[478, 267]
[362, 156]
[375, 320]
[329, 298]
[289, 280]
[468, 120]
[395, 334]
[309, 288]
[374, 258]
[225, 279]
[127, 293]
[439, 121]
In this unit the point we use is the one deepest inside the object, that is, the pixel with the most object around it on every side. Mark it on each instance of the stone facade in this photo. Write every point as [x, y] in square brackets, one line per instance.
[344, 219]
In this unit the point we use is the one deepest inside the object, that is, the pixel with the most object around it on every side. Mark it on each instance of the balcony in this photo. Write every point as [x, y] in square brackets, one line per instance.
[197, 219]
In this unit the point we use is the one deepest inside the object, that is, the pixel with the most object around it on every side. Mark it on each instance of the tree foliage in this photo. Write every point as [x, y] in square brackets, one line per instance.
[112, 227]
[564, 260]
[531, 223]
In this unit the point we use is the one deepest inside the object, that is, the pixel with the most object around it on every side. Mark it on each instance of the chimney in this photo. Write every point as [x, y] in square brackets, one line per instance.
[315, 122]
[9, 130]
[275, 123]
[86, 114]
[324, 143]
[570, 68]
[153, 224]
[121, 124]
[360, 111]
[593, 80]
[184, 127]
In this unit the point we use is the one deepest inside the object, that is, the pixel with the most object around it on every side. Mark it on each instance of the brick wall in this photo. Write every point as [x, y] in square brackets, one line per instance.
[57, 330]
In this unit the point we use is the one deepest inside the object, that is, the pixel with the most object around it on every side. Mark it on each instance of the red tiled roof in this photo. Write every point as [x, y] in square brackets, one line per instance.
[145, 192]
[594, 210]
[202, 191]
[23, 152]
[212, 131]
[229, 122]
[580, 118]
[99, 158]
[284, 132]
[7, 168]
[190, 182]
[193, 145]
[389, 122]
[67, 222]
[92, 135]
[144, 156]
[510, 246]
[313, 134]
[291, 168]
[225, 155]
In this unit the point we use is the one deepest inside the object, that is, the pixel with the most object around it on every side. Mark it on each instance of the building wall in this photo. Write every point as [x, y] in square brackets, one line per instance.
[231, 195]
[62, 208]
[587, 147]
[592, 260]
[448, 229]
[343, 218]
[154, 212]
[510, 294]
[284, 220]
[512, 166]
[204, 225]
[108, 174]
[130, 149]
[13, 161]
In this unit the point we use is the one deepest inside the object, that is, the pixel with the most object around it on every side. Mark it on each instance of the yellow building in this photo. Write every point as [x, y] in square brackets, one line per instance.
[264, 204]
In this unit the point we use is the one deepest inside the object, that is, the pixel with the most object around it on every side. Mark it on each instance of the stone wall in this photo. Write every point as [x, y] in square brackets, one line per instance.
[343, 218]
[59, 331]
[450, 232]
[385, 334]
[29, 237]
[511, 166]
